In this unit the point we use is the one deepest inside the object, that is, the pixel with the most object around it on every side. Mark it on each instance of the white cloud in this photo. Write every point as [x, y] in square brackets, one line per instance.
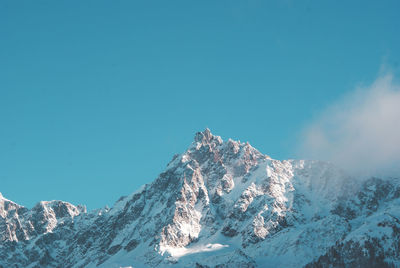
[360, 133]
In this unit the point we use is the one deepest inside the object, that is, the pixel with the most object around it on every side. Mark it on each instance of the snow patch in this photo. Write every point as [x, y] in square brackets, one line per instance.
[183, 251]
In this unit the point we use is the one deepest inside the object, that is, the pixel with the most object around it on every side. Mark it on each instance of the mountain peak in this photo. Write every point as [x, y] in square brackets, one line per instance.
[206, 137]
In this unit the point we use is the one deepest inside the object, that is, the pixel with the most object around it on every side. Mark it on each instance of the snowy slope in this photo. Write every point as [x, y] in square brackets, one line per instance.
[218, 204]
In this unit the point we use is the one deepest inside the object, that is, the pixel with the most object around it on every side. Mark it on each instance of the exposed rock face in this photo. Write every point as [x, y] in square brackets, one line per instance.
[219, 204]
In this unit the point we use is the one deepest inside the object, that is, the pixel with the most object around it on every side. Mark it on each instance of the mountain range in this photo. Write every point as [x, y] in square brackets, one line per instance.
[218, 204]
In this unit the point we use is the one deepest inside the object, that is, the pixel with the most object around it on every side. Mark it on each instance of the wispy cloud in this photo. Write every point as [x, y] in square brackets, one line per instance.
[360, 133]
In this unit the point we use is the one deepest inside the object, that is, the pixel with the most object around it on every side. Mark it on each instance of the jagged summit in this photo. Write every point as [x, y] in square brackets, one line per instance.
[211, 141]
[219, 203]
[206, 137]
[206, 134]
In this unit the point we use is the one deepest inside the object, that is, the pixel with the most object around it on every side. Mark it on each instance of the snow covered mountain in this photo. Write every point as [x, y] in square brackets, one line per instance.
[219, 204]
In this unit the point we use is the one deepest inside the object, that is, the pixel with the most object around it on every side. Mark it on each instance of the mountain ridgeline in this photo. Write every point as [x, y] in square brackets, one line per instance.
[219, 204]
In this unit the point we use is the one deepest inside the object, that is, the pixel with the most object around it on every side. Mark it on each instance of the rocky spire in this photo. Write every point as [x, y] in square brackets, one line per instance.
[206, 137]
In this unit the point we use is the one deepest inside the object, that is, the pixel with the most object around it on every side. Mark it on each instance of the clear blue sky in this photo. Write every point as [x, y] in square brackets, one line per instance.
[97, 96]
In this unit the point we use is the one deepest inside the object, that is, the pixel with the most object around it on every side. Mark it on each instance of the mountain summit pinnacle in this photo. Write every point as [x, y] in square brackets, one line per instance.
[206, 137]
